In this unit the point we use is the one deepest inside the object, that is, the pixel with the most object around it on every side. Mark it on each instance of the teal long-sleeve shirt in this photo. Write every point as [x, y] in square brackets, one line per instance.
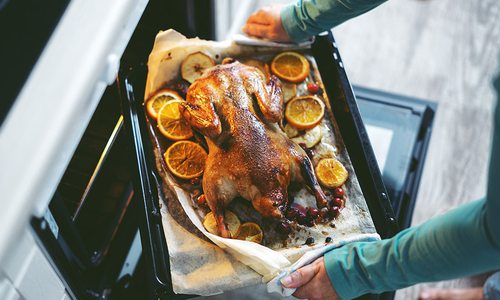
[462, 242]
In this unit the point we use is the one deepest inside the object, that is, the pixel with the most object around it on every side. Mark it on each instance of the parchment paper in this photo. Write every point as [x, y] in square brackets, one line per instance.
[205, 264]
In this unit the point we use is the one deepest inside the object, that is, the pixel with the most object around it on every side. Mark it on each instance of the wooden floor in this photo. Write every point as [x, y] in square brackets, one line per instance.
[446, 51]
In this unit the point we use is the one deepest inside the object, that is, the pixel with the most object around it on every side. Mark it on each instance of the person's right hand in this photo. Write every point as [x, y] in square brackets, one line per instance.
[312, 282]
[266, 23]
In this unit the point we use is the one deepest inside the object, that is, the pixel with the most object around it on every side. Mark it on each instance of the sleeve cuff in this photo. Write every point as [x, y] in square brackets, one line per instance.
[291, 24]
[337, 273]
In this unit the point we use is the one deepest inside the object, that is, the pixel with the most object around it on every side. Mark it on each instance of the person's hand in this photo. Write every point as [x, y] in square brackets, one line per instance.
[266, 23]
[311, 282]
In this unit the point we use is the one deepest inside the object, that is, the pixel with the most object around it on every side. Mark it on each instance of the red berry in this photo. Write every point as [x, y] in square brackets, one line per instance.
[284, 227]
[309, 222]
[201, 199]
[299, 208]
[313, 88]
[291, 213]
[301, 218]
[338, 192]
[324, 212]
[312, 212]
[338, 202]
[334, 212]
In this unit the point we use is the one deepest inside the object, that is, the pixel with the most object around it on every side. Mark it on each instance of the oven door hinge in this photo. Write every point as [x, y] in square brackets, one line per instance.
[51, 222]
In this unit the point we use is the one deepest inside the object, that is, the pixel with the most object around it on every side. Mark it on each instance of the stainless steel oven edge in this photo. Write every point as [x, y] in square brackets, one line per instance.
[47, 120]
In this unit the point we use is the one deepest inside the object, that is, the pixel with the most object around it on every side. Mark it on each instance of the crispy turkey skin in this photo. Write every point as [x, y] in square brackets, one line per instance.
[249, 155]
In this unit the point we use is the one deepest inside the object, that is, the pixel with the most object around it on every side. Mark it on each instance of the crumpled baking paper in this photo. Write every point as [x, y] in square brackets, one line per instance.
[198, 266]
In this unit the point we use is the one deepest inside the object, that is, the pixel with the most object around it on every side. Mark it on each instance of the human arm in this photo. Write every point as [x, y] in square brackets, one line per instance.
[462, 242]
[305, 18]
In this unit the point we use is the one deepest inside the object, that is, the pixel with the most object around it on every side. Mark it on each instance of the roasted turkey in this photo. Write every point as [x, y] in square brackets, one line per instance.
[249, 155]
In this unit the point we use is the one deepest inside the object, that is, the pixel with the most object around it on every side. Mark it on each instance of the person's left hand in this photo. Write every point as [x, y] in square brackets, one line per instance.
[312, 282]
[266, 23]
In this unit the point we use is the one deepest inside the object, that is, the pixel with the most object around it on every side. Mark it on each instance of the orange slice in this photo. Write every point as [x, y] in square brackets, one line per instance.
[260, 65]
[232, 222]
[186, 159]
[290, 66]
[193, 66]
[250, 231]
[331, 173]
[156, 102]
[171, 123]
[305, 112]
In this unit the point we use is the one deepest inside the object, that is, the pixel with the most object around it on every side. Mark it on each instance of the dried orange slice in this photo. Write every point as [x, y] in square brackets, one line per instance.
[156, 102]
[232, 222]
[186, 159]
[290, 66]
[260, 65]
[305, 112]
[171, 123]
[331, 173]
[250, 231]
[193, 66]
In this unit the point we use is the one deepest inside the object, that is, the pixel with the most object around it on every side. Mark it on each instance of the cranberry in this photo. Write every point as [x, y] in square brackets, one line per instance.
[284, 227]
[299, 208]
[334, 212]
[338, 192]
[309, 241]
[291, 213]
[324, 212]
[301, 218]
[312, 212]
[201, 200]
[338, 202]
[309, 222]
[313, 88]
[182, 88]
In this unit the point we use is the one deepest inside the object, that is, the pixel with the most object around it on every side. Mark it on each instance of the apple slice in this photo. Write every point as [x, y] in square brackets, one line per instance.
[194, 65]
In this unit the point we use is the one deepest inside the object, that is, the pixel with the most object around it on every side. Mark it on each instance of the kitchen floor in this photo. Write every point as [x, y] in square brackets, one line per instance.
[445, 51]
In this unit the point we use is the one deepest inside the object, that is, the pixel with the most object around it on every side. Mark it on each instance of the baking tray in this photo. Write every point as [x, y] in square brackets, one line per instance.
[324, 49]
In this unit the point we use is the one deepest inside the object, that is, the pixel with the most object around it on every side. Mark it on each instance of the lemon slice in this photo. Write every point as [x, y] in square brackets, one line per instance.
[331, 173]
[156, 102]
[290, 66]
[232, 222]
[186, 159]
[171, 123]
[251, 232]
[305, 112]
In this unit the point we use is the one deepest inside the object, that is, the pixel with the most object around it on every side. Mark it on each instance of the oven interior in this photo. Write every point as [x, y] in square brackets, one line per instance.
[91, 227]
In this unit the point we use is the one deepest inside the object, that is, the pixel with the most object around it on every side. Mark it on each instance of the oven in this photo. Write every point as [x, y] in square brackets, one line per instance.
[80, 216]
